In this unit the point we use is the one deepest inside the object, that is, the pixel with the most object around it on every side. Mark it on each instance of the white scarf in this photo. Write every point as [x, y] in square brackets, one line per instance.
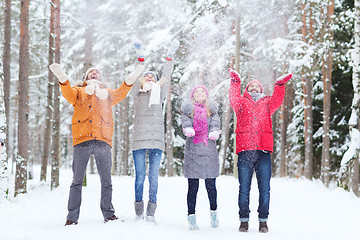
[154, 94]
[93, 86]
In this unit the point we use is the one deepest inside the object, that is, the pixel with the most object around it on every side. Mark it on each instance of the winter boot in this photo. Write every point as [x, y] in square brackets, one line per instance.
[244, 227]
[214, 219]
[139, 210]
[112, 218]
[68, 222]
[263, 228]
[150, 212]
[192, 222]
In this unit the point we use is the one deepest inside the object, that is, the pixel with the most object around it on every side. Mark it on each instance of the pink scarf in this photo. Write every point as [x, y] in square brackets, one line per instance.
[200, 124]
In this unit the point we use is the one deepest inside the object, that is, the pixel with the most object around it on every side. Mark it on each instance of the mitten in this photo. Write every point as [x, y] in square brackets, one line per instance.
[214, 135]
[283, 79]
[139, 50]
[131, 78]
[189, 131]
[172, 49]
[147, 86]
[58, 72]
[235, 76]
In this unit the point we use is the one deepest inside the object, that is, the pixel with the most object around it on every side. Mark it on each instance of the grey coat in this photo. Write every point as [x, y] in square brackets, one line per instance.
[148, 129]
[201, 161]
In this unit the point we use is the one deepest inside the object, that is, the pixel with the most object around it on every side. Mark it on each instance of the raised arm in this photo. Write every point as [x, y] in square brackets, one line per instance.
[69, 93]
[277, 97]
[116, 95]
[235, 90]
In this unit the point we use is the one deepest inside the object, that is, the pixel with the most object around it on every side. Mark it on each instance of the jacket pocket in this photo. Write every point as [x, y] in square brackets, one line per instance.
[81, 128]
[107, 128]
[267, 140]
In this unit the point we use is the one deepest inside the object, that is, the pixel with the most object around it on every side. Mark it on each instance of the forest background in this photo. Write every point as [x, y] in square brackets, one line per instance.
[315, 131]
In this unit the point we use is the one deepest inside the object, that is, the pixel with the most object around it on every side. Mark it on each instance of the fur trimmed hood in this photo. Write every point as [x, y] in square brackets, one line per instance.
[187, 107]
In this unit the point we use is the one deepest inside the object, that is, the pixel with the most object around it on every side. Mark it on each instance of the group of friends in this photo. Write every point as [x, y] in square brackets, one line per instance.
[92, 130]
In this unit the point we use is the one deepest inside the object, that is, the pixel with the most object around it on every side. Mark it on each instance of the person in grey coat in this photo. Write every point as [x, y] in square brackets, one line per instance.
[201, 126]
[148, 131]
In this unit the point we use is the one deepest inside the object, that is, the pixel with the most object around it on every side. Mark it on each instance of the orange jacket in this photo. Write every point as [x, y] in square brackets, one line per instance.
[93, 118]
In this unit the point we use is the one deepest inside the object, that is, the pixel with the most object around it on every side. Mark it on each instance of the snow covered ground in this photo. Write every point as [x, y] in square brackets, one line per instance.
[299, 209]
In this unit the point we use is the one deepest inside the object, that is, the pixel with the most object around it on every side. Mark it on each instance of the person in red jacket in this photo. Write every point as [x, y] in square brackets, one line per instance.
[254, 142]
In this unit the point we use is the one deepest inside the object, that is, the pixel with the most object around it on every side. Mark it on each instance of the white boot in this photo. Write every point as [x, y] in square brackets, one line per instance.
[192, 222]
[214, 219]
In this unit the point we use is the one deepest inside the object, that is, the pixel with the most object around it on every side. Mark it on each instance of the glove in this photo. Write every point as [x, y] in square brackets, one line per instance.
[59, 72]
[214, 135]
[283, 79]
[139, 50]
[235, 76]
[189, 131]
[172, 49]
[131, 78]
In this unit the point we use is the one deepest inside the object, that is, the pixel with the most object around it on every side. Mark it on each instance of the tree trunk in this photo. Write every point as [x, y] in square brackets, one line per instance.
[355, 178]
[283, 123]
[225, 134]
[23, 142]
[307, 90]
[4, 176]
[353, 153]
[327, 69]
[7, 70]
[237, 68]
[125, 160]
[49, 104]
[116, 142]
[55, 158]
[169, 146]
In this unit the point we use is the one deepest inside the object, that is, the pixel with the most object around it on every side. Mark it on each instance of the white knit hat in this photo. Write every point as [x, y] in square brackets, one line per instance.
[89, 70]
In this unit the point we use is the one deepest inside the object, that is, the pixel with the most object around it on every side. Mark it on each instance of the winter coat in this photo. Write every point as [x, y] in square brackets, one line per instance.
[201, 160]
[93, 118]
[254, 124]
[148, 129]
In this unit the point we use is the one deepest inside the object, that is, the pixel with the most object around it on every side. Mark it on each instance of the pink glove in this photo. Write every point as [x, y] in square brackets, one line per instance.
[283, 79]
[235, 76]
[189, 131]
[214, 135]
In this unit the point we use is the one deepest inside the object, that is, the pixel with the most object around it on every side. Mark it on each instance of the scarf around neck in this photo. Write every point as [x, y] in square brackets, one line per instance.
[200, 124]
[256, 96]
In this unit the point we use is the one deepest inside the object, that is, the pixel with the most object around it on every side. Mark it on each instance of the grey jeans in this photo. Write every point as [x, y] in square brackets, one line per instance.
[102, 154]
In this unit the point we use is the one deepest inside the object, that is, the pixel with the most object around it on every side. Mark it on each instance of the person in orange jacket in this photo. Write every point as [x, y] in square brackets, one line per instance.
[92, 129]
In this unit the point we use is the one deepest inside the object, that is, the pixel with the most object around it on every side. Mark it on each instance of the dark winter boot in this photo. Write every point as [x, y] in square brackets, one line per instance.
[244, 226]
[139, 210]
[150, 212]
[70, 223]
[263, 228]
[112, 218]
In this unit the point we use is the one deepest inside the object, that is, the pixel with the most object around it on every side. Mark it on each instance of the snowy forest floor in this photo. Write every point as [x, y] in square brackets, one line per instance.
[299, 209]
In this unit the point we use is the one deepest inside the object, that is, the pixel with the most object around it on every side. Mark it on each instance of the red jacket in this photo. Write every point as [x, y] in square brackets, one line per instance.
[254, 124]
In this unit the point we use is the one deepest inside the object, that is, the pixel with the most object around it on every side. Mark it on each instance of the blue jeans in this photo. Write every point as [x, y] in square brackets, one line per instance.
[140, 172]
[248, 161]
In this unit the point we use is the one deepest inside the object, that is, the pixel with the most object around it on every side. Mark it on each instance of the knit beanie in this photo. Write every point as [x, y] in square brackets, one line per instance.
[199, 86]
[89, 70]
[153, 73]
[255, 81]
